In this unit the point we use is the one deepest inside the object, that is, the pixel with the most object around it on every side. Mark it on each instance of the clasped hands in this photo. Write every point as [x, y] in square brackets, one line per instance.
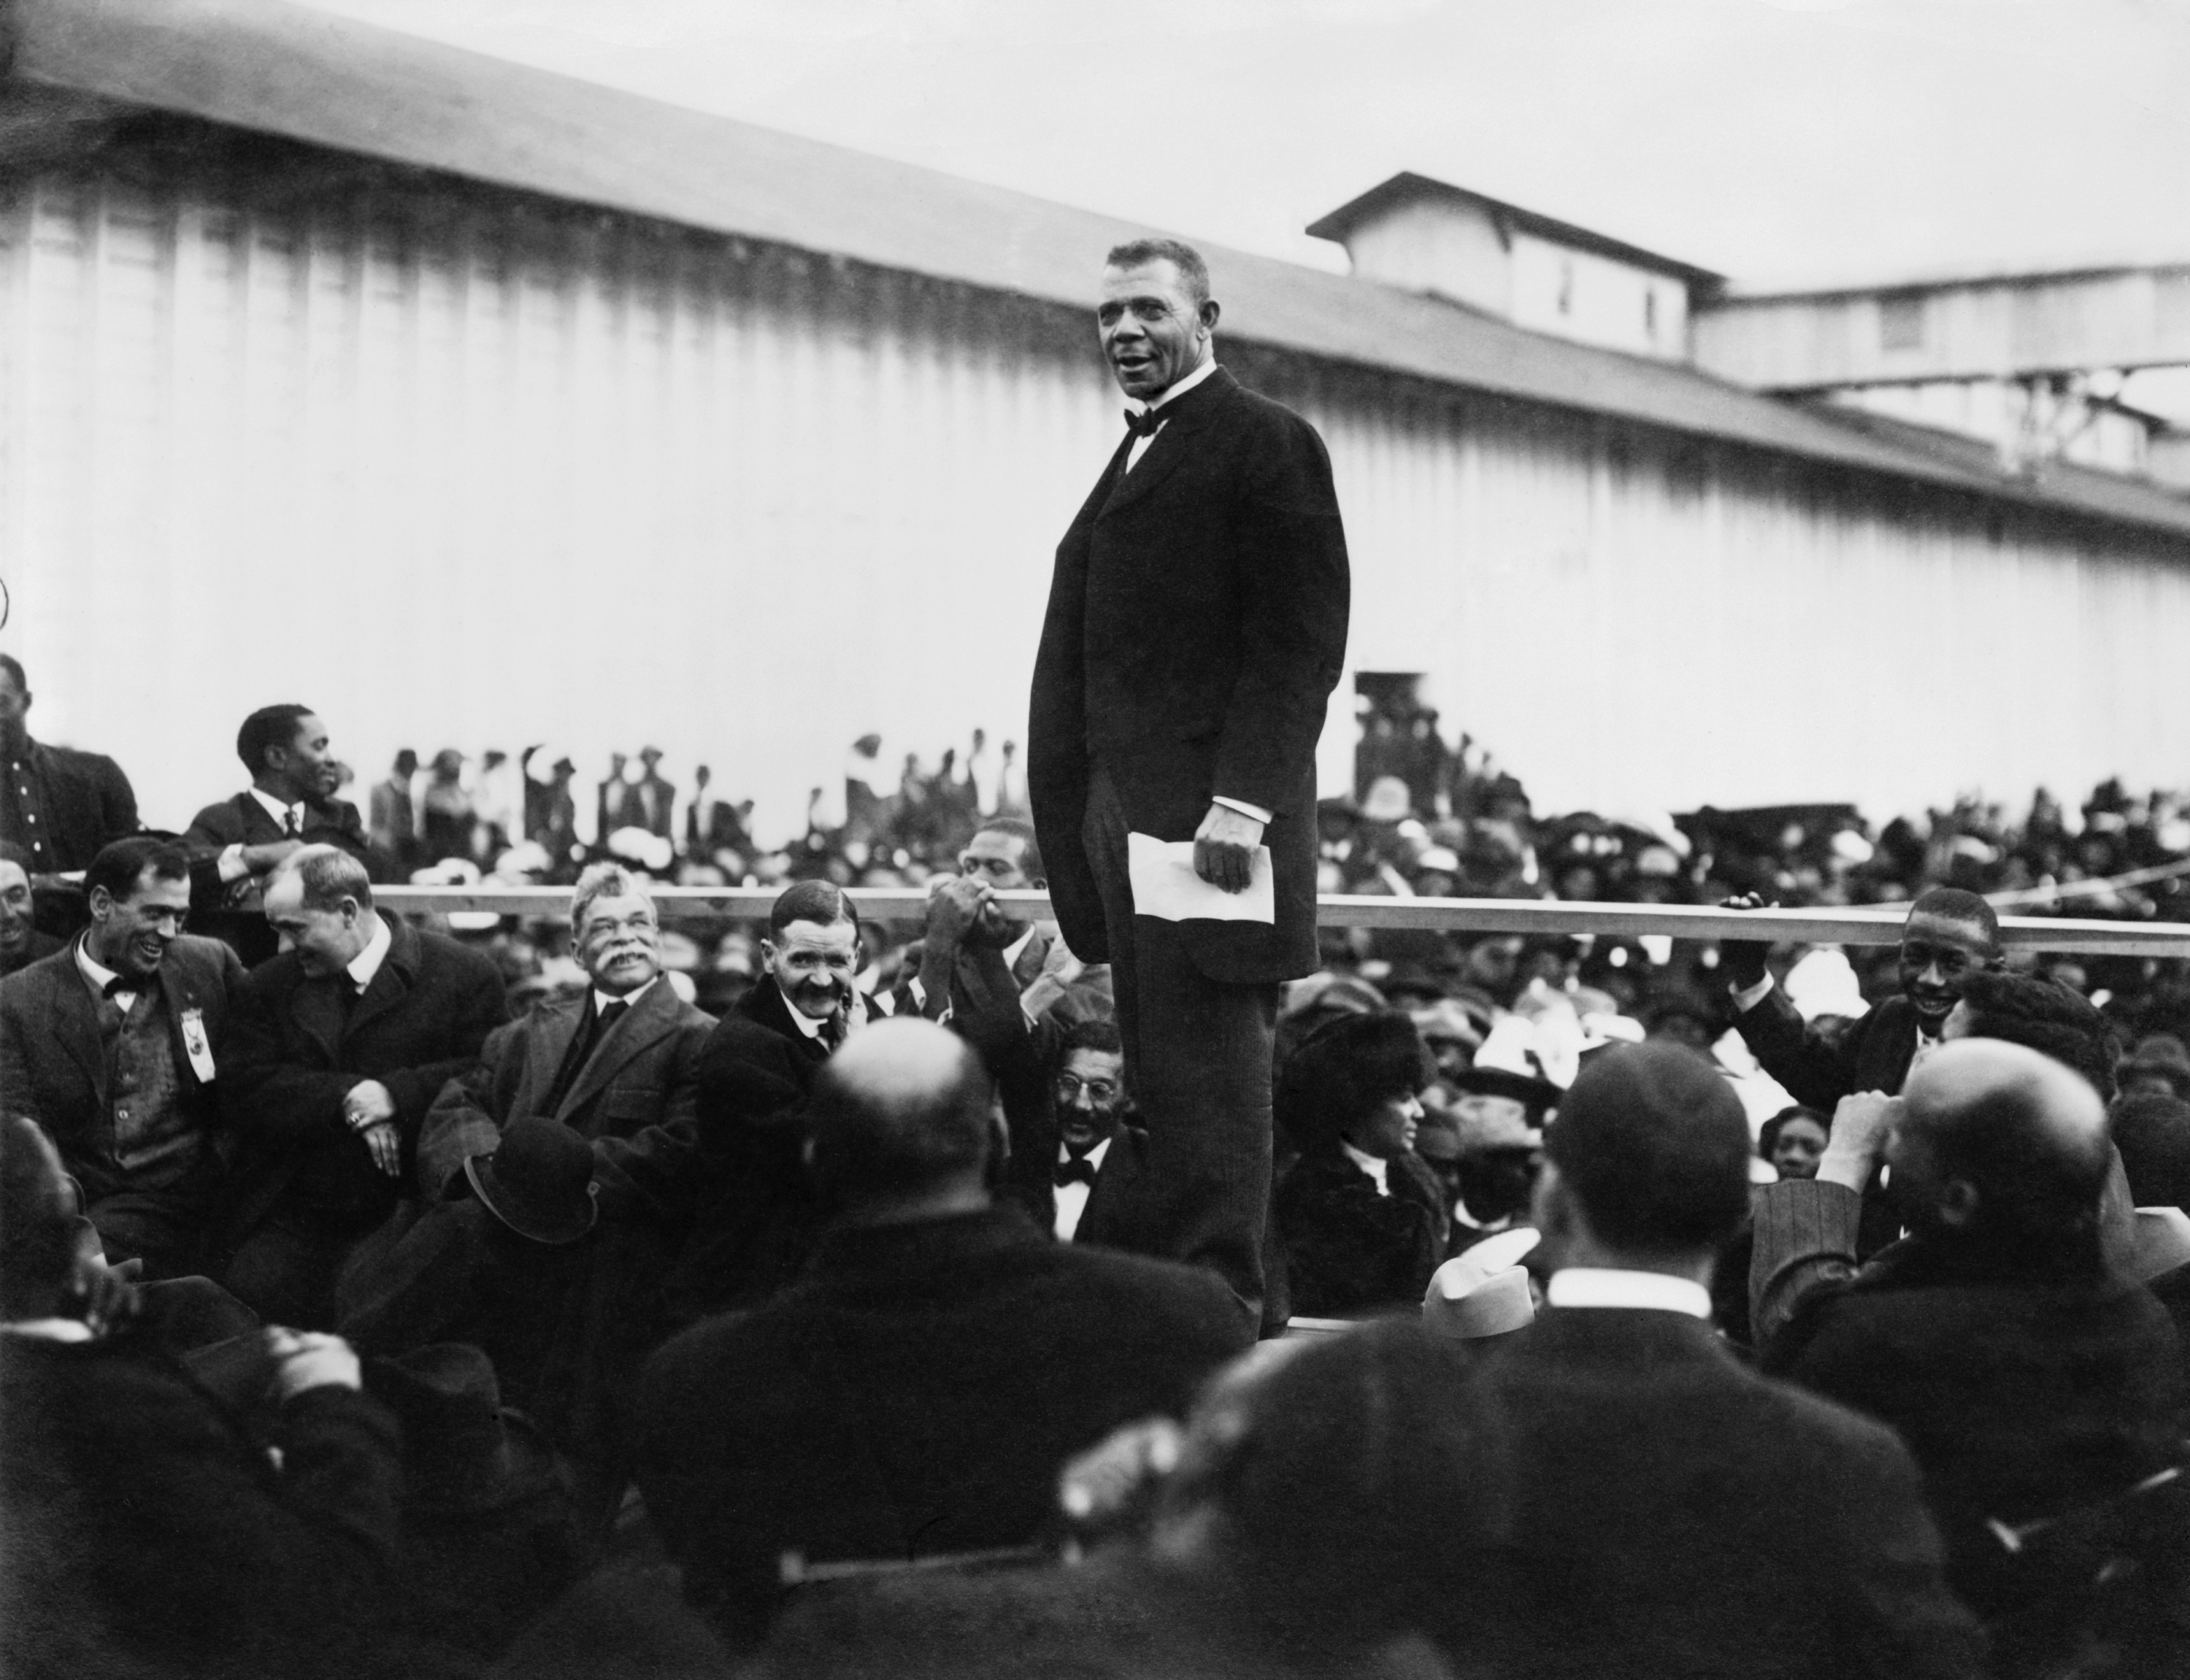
[1224, 848]
[369, 1111]
[1862, 1124]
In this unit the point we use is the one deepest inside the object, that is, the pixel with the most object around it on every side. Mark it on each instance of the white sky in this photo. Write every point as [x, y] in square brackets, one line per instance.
[1782, 142]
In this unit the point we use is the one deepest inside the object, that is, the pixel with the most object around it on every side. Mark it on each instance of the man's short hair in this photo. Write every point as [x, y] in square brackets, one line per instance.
[12, 853]
[2042, 1014]
[2037, 1185]
[1022, 831]
[1952, 904]
[1093, 1034]
[1652, 1142]
[2152, 1133]
[605, 880]
[268, 727]
[121, 864]
[329, 875]
[867, 1142]
[14, 667]
[819, 901]
[1193, 272]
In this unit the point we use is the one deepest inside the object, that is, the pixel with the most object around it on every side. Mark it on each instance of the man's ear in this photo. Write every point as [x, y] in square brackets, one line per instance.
[1958, 1203]
[1550, 1208]
[101, 903]
[1207, 314]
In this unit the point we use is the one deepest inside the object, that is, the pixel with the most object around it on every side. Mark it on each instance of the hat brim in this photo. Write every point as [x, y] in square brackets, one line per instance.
[1498, 1082]
[556, 1233]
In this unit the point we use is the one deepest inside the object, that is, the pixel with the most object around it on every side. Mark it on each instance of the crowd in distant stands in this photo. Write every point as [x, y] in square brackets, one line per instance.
[594, 1292]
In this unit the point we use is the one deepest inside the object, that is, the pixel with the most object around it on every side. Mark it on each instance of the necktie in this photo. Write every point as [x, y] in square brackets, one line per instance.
[291, 828]
[582, 1044]
[123, 982]
[1076, 1169]
[1143, 424]
[832, 1033]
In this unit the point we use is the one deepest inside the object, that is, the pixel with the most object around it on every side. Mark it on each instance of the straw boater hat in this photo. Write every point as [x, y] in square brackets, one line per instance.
[1483, 1291]
[1506, 1067]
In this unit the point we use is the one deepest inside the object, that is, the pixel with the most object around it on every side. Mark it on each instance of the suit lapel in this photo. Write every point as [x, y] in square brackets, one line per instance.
[390, 986]
[1029, 965]
[546, 1043]
[1172, 444]
[645, 1023]
[317, 1006]
[76, 1019]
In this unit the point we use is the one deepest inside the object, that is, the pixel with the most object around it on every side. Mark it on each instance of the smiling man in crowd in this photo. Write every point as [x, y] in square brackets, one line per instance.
[237, 844]
[116, 1046]
[1195, 629]
[22, 943]
[342, 1044]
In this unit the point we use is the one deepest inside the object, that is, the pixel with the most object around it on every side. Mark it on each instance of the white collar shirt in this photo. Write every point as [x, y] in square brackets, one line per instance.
[97, 975]
[808, 1026]
[1072, 1198]
[280, 812]
[1179, 389]
[602, 999]
[1605, 1286]
[1377, 1168]
[366, 964]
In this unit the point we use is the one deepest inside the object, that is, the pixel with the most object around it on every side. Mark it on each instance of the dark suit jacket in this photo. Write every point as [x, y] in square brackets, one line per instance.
[231, 910]
[85, 801]
[755, 1216]
[138, 1505]
[1874, 1056]
[2017, 1398]
[916, 1394]
[299, 1047]
[1196, 627]
[1671, 1513]
[1349, 1250]
[635, 1098]
[53, 1069]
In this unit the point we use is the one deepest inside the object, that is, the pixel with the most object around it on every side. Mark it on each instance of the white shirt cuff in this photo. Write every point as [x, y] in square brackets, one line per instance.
[232, 866]
[1749, 997]
[1243, 808]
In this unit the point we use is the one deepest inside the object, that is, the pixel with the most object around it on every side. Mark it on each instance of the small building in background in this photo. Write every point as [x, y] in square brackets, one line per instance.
[481, 406]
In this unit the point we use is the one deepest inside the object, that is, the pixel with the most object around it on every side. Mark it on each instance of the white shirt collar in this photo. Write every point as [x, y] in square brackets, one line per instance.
[1604, 1286]
[91, 968]
[1012, 951]
[1179, 388]
[1093, 1157]
[1374, 1165]
[50, 1329]
[366, 964]
[602, 1000]
[807, 1025]
[279, 811]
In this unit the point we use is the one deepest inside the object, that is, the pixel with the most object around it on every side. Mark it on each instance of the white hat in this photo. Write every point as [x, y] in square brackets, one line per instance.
[1483, 1291]
[1823, 983]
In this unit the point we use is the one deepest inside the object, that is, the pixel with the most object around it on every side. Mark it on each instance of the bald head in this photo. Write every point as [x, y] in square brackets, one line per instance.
[1999, 1145]
[903, 1109]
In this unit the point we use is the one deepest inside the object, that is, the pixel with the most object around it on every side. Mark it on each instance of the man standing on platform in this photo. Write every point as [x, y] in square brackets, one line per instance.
[1196, 627]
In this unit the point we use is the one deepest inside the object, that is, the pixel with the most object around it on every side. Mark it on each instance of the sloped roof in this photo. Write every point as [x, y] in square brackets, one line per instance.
[1407, 188]
[263, 67]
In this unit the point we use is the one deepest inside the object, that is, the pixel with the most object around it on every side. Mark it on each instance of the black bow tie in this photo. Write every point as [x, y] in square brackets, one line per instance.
[1076, 1169]
[1144, 424]
[123, 982]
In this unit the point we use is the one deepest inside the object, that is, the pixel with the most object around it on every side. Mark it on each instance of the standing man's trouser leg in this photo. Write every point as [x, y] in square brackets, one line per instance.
[1198, 1055]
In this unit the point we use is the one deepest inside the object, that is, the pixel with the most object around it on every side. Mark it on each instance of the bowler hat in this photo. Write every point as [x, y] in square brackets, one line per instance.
[462, 1451]
[539, 1181]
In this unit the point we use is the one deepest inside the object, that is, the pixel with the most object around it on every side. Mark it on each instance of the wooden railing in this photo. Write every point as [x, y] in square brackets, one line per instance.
[1880, 926]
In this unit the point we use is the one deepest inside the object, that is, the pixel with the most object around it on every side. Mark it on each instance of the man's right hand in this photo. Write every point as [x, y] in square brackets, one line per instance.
[268, 856]
[954, 907]
[1744, 959]
[307, 1359]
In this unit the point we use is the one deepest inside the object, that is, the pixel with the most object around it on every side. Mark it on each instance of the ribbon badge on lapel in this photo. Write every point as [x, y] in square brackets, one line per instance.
[196, 1046]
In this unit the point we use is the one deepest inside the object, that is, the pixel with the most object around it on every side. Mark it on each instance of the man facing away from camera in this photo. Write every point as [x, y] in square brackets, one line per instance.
[1195, 629]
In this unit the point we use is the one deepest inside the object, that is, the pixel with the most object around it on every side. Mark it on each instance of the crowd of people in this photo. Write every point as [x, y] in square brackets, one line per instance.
[383, 1295]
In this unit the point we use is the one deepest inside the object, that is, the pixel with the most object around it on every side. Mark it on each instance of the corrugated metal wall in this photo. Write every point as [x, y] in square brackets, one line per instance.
[462, 468]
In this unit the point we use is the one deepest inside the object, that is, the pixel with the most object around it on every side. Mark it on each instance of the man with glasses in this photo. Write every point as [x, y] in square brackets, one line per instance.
[1098, 1150]
[116, 1046]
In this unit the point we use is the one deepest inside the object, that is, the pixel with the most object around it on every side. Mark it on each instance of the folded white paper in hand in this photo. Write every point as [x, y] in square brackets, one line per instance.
[1165, 885]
